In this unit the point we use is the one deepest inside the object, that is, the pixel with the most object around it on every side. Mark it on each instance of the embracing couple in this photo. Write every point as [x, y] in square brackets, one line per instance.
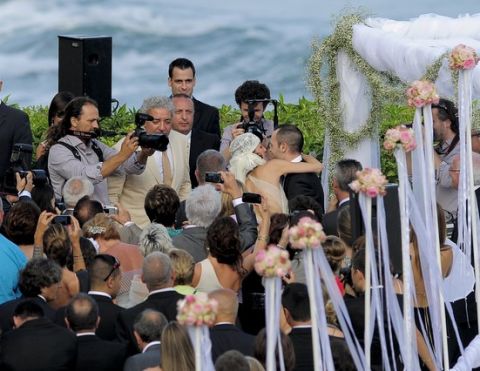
[266, 170]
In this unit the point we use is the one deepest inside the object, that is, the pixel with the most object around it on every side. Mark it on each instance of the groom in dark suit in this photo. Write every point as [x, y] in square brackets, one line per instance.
[15, 128]
[197, 139]
[181, 79]
[287, 144]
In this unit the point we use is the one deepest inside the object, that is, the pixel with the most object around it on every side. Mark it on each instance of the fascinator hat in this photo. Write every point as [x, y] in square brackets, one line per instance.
[243, 159]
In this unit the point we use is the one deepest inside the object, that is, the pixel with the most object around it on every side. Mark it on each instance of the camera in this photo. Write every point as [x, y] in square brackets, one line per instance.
[251, 198]
[213, 177]
[158, 142]
[20, 163]
[256, 127]
[62, 219]
[110, 210]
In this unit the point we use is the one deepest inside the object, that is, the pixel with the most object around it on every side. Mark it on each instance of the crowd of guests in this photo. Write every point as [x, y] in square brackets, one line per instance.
[95, 284]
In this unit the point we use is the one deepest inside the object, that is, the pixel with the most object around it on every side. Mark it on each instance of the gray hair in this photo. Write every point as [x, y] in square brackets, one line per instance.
[203, 205]
[346, 172]
[75, 188]
[154, 237]
[149, 325]
[157, 102]
[157, 270]
[209, 161]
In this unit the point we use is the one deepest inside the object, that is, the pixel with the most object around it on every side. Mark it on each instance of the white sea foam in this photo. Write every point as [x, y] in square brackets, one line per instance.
[229, 42]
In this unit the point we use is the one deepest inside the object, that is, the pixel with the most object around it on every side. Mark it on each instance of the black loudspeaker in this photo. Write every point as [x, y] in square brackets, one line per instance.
[85, 69]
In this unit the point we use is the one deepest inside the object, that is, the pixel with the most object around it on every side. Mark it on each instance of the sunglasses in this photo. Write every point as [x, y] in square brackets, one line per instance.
[110, 260]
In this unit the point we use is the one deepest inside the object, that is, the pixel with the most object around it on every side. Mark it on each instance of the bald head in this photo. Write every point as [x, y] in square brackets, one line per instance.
[157, 271]
[82, 313]
[227, 305]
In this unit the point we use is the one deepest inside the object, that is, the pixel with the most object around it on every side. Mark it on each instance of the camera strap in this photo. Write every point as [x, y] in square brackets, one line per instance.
[75, 153]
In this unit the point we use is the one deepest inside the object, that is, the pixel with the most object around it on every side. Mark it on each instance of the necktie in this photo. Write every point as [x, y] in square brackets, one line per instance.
[167, 170]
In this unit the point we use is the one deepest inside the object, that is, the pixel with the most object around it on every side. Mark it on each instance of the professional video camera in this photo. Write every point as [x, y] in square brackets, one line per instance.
[256, 127]
[20, 163]
[158, 142]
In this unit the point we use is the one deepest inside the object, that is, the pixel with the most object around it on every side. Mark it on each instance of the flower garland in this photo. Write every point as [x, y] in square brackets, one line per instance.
[197, 310]
[370, 181]
[384, 87]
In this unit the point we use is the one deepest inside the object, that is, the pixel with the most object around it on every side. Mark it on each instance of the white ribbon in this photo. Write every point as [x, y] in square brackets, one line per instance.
[273, 286]
[200, 337]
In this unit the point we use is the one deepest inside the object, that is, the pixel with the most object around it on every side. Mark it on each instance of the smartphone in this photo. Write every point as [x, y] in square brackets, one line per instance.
[110, 210]
[62, 219]
[213, 177]
[252, 198]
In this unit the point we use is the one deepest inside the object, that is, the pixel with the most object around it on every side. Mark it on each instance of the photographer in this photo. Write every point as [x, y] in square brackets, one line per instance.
[15, 129]
[77, 153]
[249, 90]
[168, 167]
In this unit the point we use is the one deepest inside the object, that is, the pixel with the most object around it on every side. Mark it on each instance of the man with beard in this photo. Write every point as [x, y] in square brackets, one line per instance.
[76, 153]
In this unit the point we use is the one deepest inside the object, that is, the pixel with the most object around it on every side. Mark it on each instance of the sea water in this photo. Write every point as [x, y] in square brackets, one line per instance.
[229, 41]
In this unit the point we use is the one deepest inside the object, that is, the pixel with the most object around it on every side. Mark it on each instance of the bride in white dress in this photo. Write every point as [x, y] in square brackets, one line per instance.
[263, 177]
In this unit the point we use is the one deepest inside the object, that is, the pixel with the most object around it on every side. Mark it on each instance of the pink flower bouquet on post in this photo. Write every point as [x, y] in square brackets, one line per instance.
[306, 234]
[462, 57]
[370, 181]
[198, 312]
[272, 262]
[400, 136]
[421, 93]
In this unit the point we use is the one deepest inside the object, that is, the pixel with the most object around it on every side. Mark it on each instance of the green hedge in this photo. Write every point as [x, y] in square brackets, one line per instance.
[303, 114]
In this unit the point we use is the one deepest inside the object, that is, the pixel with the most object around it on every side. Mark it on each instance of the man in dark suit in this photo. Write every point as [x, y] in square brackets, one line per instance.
[103, 289]
[197, 140]
[345, 173]
[224, 334]
[81, 316]
[39, 281]
[148, 328]
[181, 79]
[158, 276]
[296, 306]
[287, 144]
[15, 128]
[37, 343]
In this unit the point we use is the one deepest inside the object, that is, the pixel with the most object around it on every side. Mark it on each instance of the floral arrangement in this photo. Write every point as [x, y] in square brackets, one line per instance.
[370, 181]
[272, 262]
[308, 233]
[197, 310]
[462, 57]
[421, 93]
[400, 136]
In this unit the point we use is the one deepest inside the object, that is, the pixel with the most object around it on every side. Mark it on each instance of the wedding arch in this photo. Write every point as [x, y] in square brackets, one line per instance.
[367, 63]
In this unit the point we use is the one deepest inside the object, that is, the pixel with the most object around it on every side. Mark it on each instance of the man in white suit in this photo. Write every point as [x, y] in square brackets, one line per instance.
[169, 167]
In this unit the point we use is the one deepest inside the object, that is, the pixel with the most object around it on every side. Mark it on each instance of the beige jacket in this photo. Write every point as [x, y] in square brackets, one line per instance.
[131, 190]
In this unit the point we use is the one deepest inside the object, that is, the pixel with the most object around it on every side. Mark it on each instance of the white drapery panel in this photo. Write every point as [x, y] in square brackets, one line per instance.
[407, 48]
